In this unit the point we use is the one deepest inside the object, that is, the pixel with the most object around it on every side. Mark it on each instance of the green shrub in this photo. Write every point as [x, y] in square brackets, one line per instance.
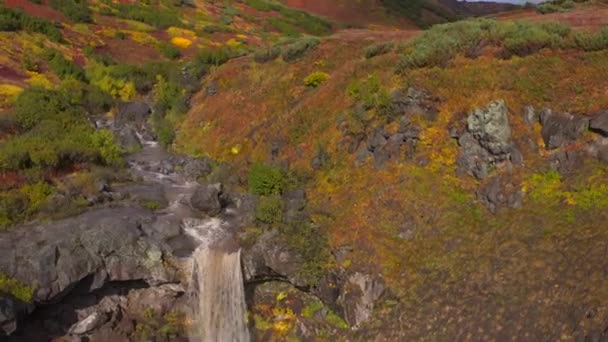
[170, 51]
[16, 20]
[298, 49]
[266, 180]
[267, 55]
[57, 131]
[13, 206]
[63, 67]
[439, 45]
[523, 38]
[262, 5]
[315, 79]
[110, 152]
[161, 18]
[555, 6]
[35, 104]
[76, 10]
[378, 49]
[413, 10]
[213, 56]
[36, 195]
[370, 93]
[283, 27]
[592, 41]
[270, 209]
[120, 81]
[164, 130]
[308, 23]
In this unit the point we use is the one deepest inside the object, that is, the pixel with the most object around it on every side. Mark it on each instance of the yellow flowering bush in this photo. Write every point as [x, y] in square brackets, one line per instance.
[181, 42]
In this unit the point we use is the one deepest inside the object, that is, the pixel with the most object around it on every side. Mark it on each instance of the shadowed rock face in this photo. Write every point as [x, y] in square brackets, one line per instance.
[102, 246]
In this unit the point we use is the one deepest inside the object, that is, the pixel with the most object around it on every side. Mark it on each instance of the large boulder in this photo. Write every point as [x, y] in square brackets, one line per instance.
[101, 246]
[561, 128]
[195, 168]
[490, 127]
[207, 198]
[136, 112]
[486, 142]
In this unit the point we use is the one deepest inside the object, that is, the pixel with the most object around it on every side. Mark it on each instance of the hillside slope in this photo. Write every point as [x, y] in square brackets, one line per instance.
[382, 183]
[444, 247]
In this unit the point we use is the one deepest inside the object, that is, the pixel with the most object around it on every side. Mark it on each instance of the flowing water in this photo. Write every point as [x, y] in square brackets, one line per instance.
[217, 288]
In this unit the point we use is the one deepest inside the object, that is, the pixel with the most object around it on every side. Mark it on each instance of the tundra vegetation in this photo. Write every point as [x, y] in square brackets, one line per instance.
[349, 146]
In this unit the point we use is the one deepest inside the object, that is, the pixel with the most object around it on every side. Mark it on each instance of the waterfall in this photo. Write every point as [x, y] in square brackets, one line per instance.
[217, 290]
[217, 285]
[221, 312]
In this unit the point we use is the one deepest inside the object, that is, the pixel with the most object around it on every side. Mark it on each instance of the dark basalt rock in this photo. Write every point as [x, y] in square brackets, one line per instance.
[103, 245]
[271, 258]
[413, 102]
[501, 192]
[133, 112]
[567, 162]
[599, 124]
[561, 128]
[207, 198]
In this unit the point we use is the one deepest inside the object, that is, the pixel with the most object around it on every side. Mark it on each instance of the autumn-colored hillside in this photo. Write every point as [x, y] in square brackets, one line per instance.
[385, 178]
[456, 263]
